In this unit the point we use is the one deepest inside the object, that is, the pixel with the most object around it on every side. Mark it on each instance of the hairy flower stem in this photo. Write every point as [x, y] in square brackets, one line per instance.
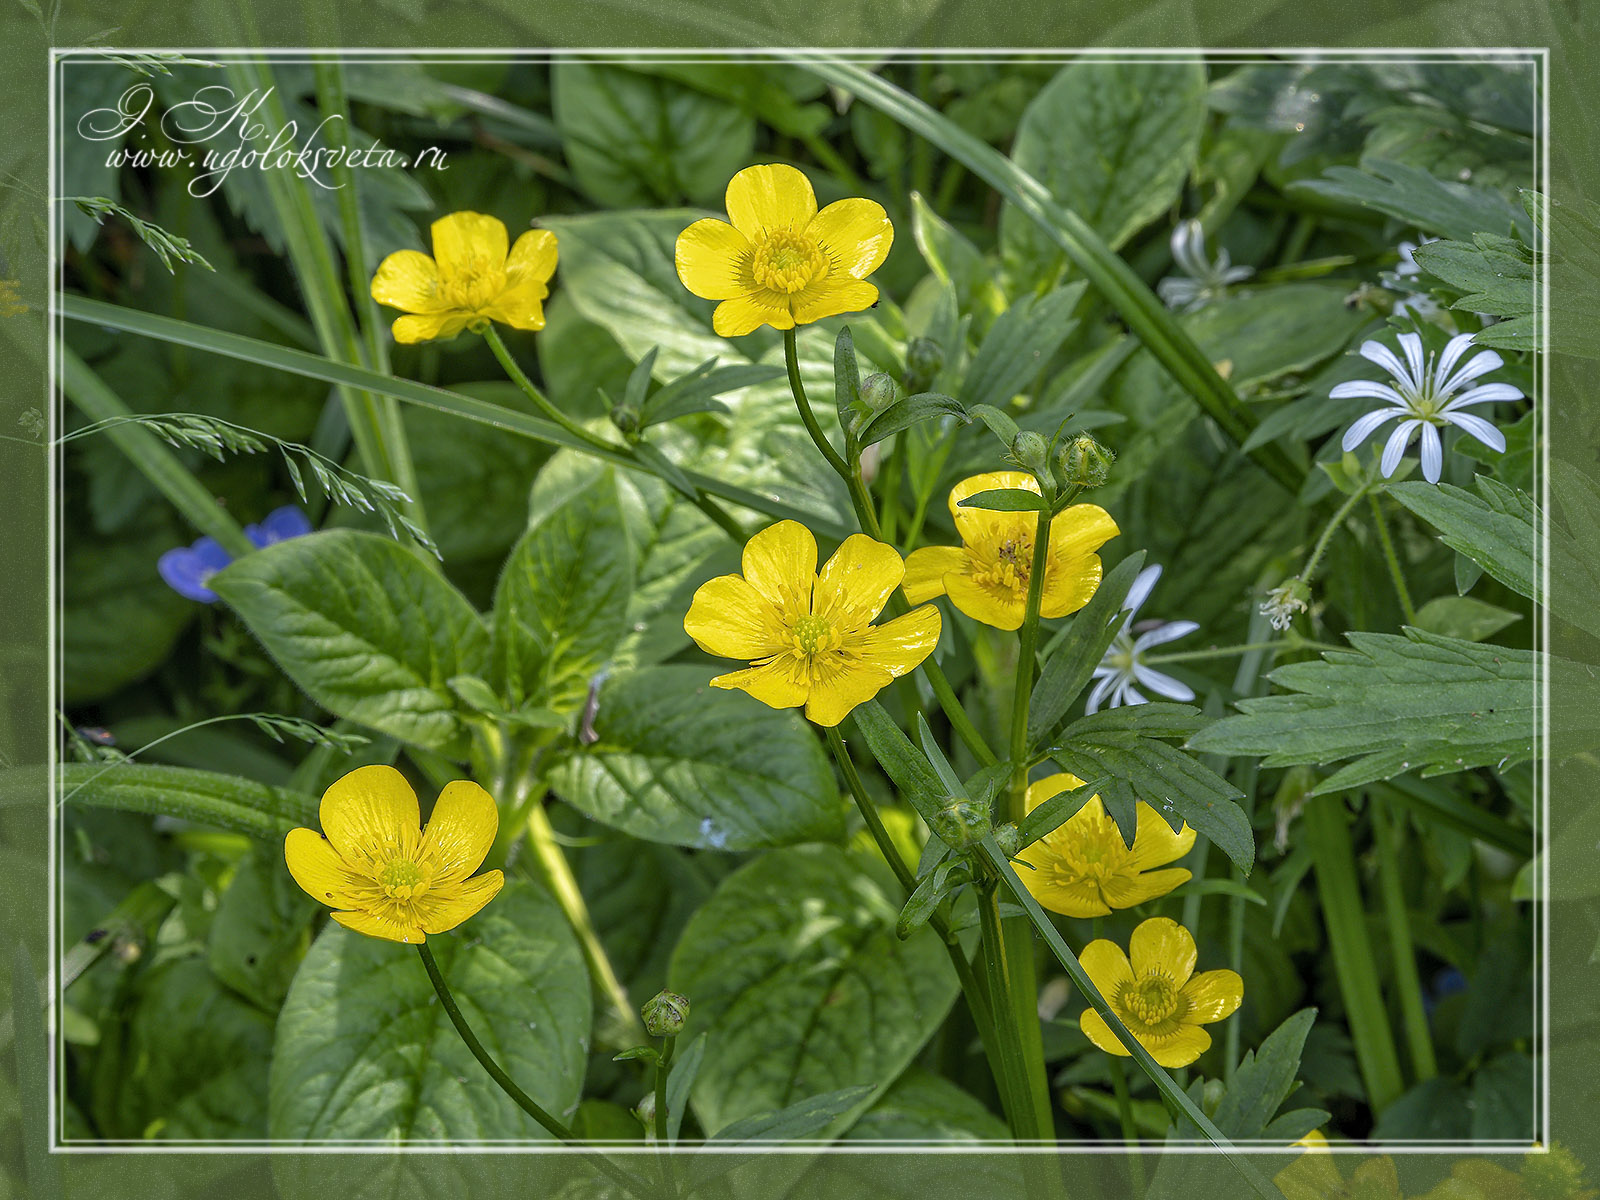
[720, 516]
[867, 518]
[1321, 548]
[1393, 559]
[663, 1064]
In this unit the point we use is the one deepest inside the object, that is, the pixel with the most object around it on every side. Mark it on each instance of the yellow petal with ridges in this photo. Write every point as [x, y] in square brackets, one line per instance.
[410, 330]
[855, 234]
[713, 260]
[984, 528]
[1161, 944]
[379, 926]
[469, 243]
[1133, 889]
[926, 570]
[446, 908]
[839, 685]
[1107, 966]
[1097, 1031]
[1051, 786]
[1079, 898]
[1179, 1048]
[408, 280]
[855, 584]
[900, 645]
[780, 562]
[371, 812]
[521, 307]
[990, 606]
[460, 830]
[1069, 584]
[1156, 842]
[318, 869]
[729, 618]
[532, 259]
[830, 296]
[769, 197]
[746, 314]
[778, 684]
[1214, 995]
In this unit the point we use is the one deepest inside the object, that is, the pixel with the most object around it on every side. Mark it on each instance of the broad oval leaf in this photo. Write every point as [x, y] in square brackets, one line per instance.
[681, 762]
[364, 1052]
[562, 603]
[795, 964]
[366, 628]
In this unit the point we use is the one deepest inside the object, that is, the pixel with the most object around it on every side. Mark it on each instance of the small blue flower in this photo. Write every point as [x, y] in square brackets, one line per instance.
[279, 525]
[186, 568]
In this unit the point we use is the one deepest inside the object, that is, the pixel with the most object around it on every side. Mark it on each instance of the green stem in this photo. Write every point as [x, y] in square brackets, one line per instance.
[867, 518]
[1027, 656]
[1119, 1087]
[150, 455]
[662, 1063]
[1327, 833]
[1317, 551]
[720, 516]
[1174, 1096]
[1029, 1120]
[507, 1085]
[1414, 1017]
[1291, 642]
[1393, 559]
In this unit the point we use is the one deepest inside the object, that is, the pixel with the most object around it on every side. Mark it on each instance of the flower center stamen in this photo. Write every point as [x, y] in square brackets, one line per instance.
[813, 634]
[1009, 572]
[1151, 1001]
[787, 262]
[402, 880]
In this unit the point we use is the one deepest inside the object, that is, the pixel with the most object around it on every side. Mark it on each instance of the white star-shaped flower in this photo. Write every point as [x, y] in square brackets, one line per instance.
[1122, 667]
[1422, 396]
[1202, 280]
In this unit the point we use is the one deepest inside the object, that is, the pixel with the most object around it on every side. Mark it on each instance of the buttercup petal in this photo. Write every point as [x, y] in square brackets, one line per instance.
[1097, 1031]
[521, 307]
[1130, 891]
[730, 618]
[378, 925]
[1161, 944]
[370, 812]
[774, 196]
[1180, 1047]
[1080, 530]
[857, 582]
[855, 234]
[1051, 786]
[1069, 583]
[900, 645]
[780, 562]
[831, 295]
[318, 869]
[428, 327]
[981, 526]
[446, 908]
[986, 605]
[840, 685]
[926, 570]
[532, 259]
[1107, 965]
[469, 243]
[1156, 843]
[1213, 995]
[460, 831]
[1077, 898]
[713, 260]
[781, 683]
[746, 314]
[408, 280]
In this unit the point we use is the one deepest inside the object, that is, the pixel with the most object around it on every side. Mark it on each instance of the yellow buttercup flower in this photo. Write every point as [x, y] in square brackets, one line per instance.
[1083, 868]
[986, 576]
[781, 262]
[390, 878]
[1315, 1175]
[469, 281]
[1154, 990]
[810, 635]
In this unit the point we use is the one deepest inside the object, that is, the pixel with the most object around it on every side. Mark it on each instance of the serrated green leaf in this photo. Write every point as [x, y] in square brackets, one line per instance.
[795, 963]
[1494, 274]
[1497, 529]
[1463, 617]
[365, 1052]
[365, 628]
[1068, 670]
[680, 762]
[1394, 704]
[1452, 210]
[562, 601]
[1264, 1079]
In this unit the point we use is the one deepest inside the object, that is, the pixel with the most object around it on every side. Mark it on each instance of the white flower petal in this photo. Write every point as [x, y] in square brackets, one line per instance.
[1480, 363]
[1128, 694]
[1162, 685]
[1363, 427]
[1479, 428]
[1488, 393]
[1411, 345]
[1170, 631]
[1396, 447]
[1377, 352]
[1453, 350]
[1432, 454]
[1140, 591]
[1098, 694]
[1366, 389]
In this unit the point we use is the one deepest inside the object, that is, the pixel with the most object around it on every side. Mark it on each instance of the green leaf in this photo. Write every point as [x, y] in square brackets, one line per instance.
[1493, 274]
[1113, 142]
[1055, 812]
[1007, 500]
[1264, 1079]
[1019, 346]
[680, 762]
[1502, 1100]
[957, 263]
[901, 761]
[1497, 529]
[1177, 785]
[262, 929]
[795, 963]
[365, 1052]
[1068, 670]
[562, 601]
[1394, 704]
[693, 392]
[636, 141]
[1436, 1110]
[798, 1120]
[924, 1107]
[680, 1083]
[365, 628]
[1452, 210]
[930, 890]
[908, 411]
[846, 378]
[240, 805]
[1463, 617]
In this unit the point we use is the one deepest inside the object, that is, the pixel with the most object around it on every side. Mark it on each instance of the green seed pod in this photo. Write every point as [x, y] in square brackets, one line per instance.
[665, 1014]
[878, 391]
[1009, 838]
[924, 358]
[646, 1111]
[961, 823]
[626, 418]
[1084, 462]
[1031, 452]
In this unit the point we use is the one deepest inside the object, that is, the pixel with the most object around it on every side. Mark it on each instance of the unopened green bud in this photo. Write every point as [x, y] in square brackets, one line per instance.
[924, 359]
[878, 391]
[626, 418]
[665, 1014]
[961, 823]
[1009, 838]
[646, 1111]
[1084, 462]
[1031, 452]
